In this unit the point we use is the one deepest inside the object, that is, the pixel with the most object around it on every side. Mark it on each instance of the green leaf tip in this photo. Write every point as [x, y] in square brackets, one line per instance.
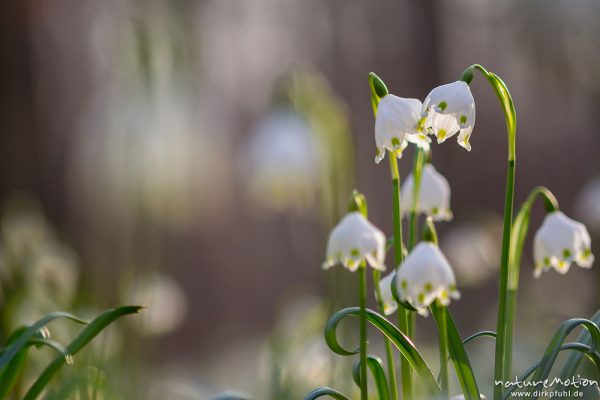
[377, 86]
[358, 202]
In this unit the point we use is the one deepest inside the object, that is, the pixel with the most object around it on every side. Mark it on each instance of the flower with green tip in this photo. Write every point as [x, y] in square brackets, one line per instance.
[433, 197]
[355, 240]
[387, 299]
[424, 277]
[450, 109]
[398, 122]
[559, 242]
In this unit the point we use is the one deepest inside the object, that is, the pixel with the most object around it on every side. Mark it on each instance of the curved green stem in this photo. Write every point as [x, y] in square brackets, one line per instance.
[502, 368]
[388, 346]
[362, 277]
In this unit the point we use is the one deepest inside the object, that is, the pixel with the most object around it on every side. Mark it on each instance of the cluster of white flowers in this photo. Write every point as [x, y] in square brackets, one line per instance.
[425, 276]
[447, 110]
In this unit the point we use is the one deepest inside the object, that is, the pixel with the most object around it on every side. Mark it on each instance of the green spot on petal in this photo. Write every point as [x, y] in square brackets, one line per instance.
[355, 253]
[546, 261]
[403, 284]
[442, 106]
[428, 287]
[463, 119]
[441, 134]
[566, 253]
[421, 297]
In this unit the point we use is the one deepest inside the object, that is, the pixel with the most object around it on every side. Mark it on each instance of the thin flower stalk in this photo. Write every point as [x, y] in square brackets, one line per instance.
[502, 367]
[388, 346]
[378, 90]
[362, 284]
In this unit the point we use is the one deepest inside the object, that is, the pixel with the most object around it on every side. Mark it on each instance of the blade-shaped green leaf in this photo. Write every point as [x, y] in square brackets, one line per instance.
[574, 359]
[375, 365]
[402, 343]
[30, 331]
[555, 345]
[325, 391]
[460, 360]
[84, 337]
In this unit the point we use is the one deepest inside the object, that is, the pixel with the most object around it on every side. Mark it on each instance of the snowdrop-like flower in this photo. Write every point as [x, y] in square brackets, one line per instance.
[450, 109]
[426, 276]
[434, 194]
[398, 122]
[353, 240]
[559, 242]
[385, 288]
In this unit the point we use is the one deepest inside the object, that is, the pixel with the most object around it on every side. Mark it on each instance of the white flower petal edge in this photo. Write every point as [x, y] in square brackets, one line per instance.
[426, 276]
[353, 240]
[559, 242]
[450, 109]
[396, 118]
[434, 194]
[387, 299]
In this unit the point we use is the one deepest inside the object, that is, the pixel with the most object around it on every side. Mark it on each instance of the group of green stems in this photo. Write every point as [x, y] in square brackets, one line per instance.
[406, 318]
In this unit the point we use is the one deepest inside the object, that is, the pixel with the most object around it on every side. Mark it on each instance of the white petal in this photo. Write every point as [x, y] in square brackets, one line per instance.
[353, 240]
[450, 98]
[560, 241]
[426, 276]
[385, 286]
[396, 117]
[434, 194]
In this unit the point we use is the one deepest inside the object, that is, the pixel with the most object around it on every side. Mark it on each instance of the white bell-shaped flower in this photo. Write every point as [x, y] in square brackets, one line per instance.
[424, 277]
[353, 240]
[434, 194]
[398, 120]
[387, 299]
[559, 242]
[450, 109]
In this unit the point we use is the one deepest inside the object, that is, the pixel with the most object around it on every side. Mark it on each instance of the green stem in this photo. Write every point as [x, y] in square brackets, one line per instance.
[362, 277]
[403, 314]
[502, 368]
[518, 235]
[412, 224]
[443, 344]
[388, 346]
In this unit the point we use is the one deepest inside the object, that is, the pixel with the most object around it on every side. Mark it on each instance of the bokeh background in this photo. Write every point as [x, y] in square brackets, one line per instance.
[192, 156]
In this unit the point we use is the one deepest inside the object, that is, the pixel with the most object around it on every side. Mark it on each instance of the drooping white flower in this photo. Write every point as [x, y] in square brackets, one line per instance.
[434, 194]
[397, 123]
[385, 287]
[353, 240]
[559, 242]
[450, 109]
[426, 276]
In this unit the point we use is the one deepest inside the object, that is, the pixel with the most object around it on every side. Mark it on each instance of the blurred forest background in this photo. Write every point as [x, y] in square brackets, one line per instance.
[192, 155]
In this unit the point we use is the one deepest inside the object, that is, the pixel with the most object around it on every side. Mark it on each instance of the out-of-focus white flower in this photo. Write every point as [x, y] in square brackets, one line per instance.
[426, 276]
[462, 397]
[353, 240]
[165, 301]
[473, 249]
[434, 194]
[397, 123]
[385, 287]
[559, 242]
[587, 205]
[281, 164]
[450, 109]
